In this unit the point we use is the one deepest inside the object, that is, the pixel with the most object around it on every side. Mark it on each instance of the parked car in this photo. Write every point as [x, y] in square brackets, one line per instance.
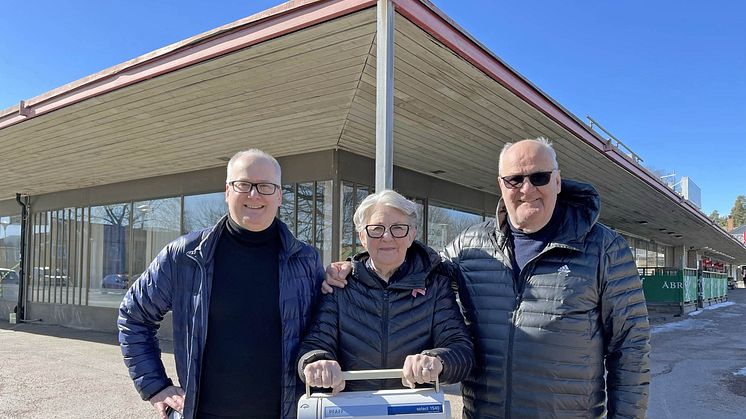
[46, 275]
[8, 276]
[115, 281]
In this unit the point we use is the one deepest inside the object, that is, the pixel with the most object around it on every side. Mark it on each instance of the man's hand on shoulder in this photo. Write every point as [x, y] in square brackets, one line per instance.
[170, 396]
[336, 276]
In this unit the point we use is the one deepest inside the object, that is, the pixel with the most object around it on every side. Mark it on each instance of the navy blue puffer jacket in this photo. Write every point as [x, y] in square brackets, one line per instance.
[179, 280]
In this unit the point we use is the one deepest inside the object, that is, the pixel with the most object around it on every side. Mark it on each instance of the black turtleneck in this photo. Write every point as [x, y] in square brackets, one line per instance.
[242, 364]
[526, 246]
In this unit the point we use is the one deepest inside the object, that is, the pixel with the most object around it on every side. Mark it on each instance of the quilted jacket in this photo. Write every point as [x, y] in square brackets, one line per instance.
[179, 280]
[544, 343]
[366, 326]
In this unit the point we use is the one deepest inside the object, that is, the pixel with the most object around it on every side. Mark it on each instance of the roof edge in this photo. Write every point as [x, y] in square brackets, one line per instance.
[276, 21]
[429, 18]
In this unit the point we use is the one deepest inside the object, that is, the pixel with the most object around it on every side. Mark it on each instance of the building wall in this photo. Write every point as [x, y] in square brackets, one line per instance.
[80, 239]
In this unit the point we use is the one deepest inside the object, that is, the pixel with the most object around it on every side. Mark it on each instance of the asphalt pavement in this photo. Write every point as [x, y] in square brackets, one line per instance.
[698, 363]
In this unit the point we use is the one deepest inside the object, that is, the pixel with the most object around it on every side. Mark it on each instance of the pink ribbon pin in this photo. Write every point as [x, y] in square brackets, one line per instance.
[420, 291]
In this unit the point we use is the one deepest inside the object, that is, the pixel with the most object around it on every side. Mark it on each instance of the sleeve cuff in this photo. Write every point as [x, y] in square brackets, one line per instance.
[146, 396]
[309, 357]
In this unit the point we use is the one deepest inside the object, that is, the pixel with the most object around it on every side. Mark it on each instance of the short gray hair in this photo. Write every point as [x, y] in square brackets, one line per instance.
[540, 140]
[252, 152]
[389, 198]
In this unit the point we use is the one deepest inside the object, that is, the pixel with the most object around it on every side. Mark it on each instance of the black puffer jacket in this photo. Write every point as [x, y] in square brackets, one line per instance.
[366, 326]
[542, 343]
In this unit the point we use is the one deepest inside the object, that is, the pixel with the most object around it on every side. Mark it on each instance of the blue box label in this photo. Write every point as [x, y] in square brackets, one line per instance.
[415, 408]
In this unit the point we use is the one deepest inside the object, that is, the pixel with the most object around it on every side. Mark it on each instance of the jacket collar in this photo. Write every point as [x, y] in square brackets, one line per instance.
[421, 259]
[582, 206]
[205, 250]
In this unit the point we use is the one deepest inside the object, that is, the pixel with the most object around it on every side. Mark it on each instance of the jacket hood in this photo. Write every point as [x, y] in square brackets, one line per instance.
[421, 261]
[581, 205]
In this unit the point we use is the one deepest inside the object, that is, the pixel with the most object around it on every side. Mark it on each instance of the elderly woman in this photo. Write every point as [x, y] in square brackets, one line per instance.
[397, 311]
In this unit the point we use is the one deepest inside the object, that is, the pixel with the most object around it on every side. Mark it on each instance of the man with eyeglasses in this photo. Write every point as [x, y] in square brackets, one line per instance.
[552, 298]
[241, 294]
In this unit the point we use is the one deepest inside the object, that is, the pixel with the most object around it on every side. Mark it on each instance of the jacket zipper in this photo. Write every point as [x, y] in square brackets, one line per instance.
[203, 339]
[385, 330]
[519, 287]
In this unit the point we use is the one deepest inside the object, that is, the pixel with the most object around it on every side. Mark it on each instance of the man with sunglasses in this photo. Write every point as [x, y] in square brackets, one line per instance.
[552, 298]
[241, 294]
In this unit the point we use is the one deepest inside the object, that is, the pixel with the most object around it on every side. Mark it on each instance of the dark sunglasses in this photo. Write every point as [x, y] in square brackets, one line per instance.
[536, 179]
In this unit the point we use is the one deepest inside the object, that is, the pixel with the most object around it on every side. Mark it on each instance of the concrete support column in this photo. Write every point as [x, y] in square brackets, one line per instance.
[692, 259]
[679, 257]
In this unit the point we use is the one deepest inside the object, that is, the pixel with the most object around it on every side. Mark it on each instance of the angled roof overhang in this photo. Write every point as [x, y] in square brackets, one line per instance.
[300, 77]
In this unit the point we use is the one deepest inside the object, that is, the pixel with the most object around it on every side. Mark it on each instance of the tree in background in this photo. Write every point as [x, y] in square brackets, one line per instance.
[720, 220]
[738, 212]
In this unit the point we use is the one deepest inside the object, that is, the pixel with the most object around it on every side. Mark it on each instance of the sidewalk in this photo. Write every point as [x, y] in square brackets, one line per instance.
[56, 372]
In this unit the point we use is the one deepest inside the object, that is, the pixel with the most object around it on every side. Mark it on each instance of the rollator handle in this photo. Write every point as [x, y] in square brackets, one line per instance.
[374, 375]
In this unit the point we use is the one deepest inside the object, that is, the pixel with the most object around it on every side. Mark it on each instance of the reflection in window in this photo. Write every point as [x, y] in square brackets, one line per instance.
[203, 211]
[420, 203]
[352, 195]
[287, 210]
[361, 191]
[641, 253]
[347, 242]
[57, 243]
[109, 268]
[652, 254]
[306, 209]
[10, 251]
[324, 206]
[155, 223]
[444, 224]
[661, 256]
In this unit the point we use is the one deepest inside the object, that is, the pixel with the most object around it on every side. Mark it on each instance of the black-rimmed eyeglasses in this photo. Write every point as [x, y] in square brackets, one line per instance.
[263, 188]
[536, 179]
[376, 231]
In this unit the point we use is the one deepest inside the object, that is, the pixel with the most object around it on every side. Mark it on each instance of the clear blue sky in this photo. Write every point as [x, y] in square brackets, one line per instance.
[666, 77]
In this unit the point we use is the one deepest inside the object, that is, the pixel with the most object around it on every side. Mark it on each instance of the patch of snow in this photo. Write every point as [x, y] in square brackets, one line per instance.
[742, 371]
[688, 324]
[712, 307]
[720, 305]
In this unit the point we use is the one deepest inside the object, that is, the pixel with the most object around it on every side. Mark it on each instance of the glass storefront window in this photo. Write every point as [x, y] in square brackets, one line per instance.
[652, 255]
[55, 257]
[661, 256]
[641, 253]
[287, 210]
[444, 224]
[352, 195]
[361, 192]
[324, 207]
[155, 223]
[203, 211]
[420, 218]
[10, 253]
[109, 239]
[307, 211]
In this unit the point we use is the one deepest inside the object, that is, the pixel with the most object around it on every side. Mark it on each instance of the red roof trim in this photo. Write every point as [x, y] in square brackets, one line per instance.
[425, 15]
[272, 23]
